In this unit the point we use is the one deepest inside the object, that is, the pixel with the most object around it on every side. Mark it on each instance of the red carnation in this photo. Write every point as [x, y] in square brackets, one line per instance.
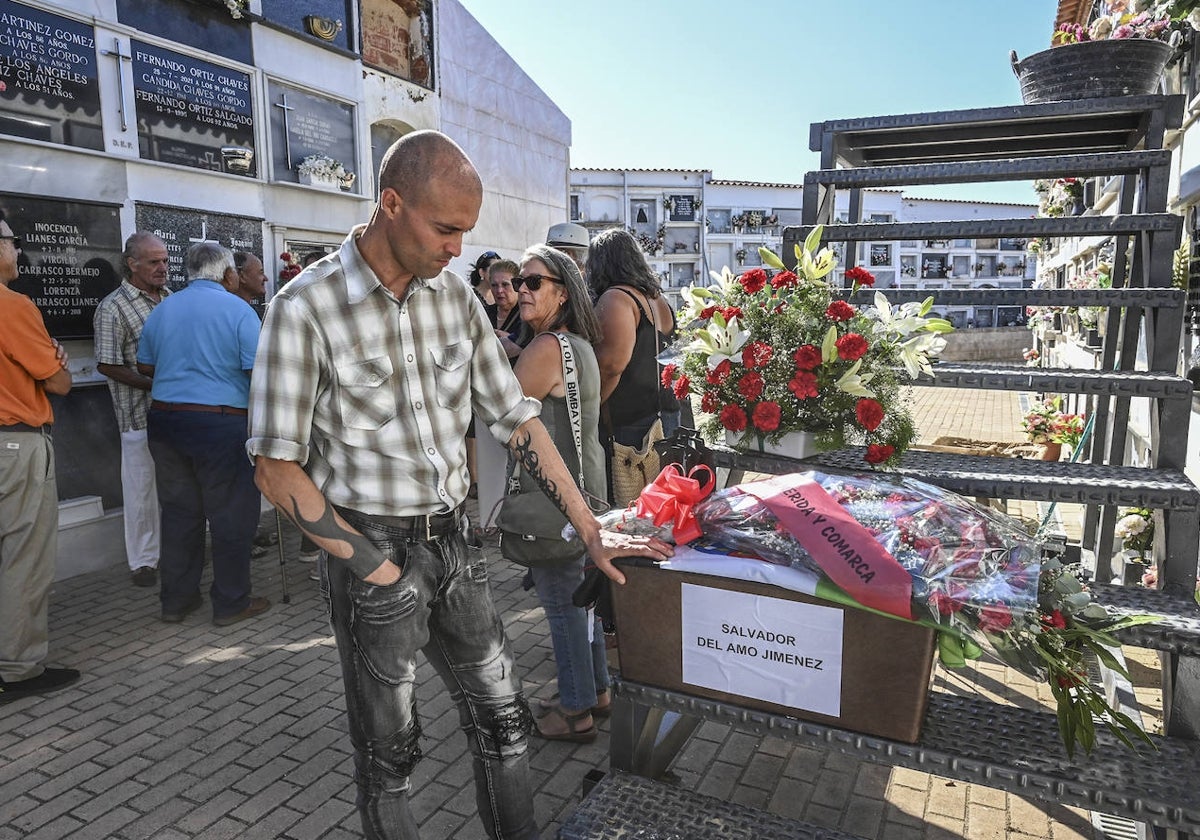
[766, 416]
[807, 357]
[733, 418]
[286, 256]
[719, 374]
[756, 354]
[753, 280]
[861, 276]
[869, 414]
[709, 402]
[1055, 619]
[784, 279]
[877, 453]
[750, 386]
[995, 619]
[707, 312]
[852, 346]
[682, 386]
[731, 312]
[668, 374]
[803, 385]
[839, 310]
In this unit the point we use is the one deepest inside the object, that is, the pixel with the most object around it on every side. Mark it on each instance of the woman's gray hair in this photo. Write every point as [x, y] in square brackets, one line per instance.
[208, 261]
[576, 314]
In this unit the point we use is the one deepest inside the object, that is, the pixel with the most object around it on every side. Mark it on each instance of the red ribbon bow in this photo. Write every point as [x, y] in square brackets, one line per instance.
[671, 498]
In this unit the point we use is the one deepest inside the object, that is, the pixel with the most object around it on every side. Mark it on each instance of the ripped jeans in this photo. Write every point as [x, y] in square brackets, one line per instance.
[442, 605]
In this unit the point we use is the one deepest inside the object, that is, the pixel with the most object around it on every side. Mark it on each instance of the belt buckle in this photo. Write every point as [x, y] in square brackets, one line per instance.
[428, 535]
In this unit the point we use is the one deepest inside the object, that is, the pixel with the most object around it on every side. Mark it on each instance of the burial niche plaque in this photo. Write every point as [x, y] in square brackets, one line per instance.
[304, 124]
[48, 84]
[192, 112]
[180, 229]
[70, 254]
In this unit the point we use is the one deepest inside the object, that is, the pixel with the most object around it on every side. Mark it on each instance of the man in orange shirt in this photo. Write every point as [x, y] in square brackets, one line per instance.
[31, 365]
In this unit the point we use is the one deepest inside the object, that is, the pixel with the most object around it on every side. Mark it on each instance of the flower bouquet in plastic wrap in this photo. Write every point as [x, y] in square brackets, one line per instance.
[915, 551]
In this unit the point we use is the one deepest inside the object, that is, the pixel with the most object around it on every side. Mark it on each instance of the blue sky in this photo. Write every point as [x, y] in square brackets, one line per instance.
[733, 86]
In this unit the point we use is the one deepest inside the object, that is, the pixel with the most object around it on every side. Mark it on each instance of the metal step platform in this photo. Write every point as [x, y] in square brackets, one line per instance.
[1079, 126]
[1007, 169]
[1001, 478]
[1070, 380]
[625, 807]
[1164, 298]
[976, 740]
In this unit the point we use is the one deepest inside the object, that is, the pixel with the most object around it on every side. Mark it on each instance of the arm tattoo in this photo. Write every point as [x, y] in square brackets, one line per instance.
[363, 558]
[522, 448]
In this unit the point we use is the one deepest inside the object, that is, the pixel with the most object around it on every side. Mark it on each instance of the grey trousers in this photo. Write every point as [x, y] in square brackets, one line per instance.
[28, 549]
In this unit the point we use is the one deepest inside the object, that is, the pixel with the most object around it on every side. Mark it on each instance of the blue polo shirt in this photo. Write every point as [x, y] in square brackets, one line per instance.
[202, 346]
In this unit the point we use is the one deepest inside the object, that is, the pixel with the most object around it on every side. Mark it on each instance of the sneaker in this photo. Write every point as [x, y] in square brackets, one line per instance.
[308, 556]
[179, 614]
[315, 574]
[257, 606]
[51, 679]
[145, 576]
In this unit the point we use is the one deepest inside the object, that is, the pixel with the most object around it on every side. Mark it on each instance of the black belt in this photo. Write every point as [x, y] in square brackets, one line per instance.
[207, 409]
[424, 527]
[43, 429]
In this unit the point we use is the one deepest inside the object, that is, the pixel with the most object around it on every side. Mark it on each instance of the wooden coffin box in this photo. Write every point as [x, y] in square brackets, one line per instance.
[772, 649]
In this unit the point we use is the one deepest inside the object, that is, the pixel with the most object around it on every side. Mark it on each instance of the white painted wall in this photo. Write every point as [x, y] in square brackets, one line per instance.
[517, 137]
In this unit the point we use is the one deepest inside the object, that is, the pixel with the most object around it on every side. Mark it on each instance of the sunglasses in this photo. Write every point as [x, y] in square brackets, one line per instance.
[16, 241]
[534, 281]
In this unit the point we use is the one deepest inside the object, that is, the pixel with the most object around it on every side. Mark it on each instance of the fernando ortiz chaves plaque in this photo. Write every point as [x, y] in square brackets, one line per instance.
[192, 112]
[48, 83]
[70, 253]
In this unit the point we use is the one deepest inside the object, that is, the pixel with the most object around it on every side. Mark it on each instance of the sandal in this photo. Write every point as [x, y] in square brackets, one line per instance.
[574, 733]
[598, 711]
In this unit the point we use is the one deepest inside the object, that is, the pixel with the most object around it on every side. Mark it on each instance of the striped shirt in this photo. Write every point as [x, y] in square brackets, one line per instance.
[372, 394]
[118, 324]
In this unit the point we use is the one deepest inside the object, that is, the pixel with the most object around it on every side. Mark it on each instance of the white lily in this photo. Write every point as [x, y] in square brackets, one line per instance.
[908, 318]
[915, 353]
[719, 340]
[811, 264]
[854, 384]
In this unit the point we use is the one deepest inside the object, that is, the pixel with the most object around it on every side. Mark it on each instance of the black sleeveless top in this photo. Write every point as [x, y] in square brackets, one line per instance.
[639, 393]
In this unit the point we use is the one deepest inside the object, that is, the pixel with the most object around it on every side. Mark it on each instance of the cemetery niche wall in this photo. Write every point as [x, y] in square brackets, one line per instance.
[180, 229]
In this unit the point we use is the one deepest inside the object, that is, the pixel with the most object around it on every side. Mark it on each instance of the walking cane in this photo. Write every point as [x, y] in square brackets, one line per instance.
[287, 599]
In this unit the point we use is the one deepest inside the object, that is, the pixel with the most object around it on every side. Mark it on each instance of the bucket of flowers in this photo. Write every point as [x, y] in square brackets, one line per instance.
[1040, 423]
[1117, 55]
[775, 357]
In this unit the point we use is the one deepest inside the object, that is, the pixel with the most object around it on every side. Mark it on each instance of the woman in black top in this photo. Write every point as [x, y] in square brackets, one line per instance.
[636, 323]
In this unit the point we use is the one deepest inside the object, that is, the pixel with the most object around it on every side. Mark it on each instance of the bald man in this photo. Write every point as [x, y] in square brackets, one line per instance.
[368, 369]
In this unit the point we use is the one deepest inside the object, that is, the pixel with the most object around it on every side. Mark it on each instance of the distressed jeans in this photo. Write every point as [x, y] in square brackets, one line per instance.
[442, 606]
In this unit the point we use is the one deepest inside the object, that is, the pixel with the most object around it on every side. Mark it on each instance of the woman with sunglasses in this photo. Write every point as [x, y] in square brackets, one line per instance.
[553, 299]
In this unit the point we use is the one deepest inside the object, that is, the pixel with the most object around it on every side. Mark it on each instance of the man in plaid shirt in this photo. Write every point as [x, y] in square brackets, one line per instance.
[368, 369]
[118, 325]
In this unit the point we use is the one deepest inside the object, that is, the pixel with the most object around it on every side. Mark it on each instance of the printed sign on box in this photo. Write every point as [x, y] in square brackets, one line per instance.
[771, 649]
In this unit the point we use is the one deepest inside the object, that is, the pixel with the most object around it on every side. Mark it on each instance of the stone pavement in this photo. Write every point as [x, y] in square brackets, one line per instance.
[192, 731]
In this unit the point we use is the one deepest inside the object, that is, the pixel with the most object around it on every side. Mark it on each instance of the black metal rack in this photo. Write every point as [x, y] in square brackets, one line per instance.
[969, 738]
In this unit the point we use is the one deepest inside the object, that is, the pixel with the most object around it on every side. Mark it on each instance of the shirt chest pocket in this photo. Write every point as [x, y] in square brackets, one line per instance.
[368, 400]
[452, 370]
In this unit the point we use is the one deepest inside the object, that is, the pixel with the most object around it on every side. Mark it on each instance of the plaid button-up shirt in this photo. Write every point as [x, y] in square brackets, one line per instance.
[118, 325]
[373, 395]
